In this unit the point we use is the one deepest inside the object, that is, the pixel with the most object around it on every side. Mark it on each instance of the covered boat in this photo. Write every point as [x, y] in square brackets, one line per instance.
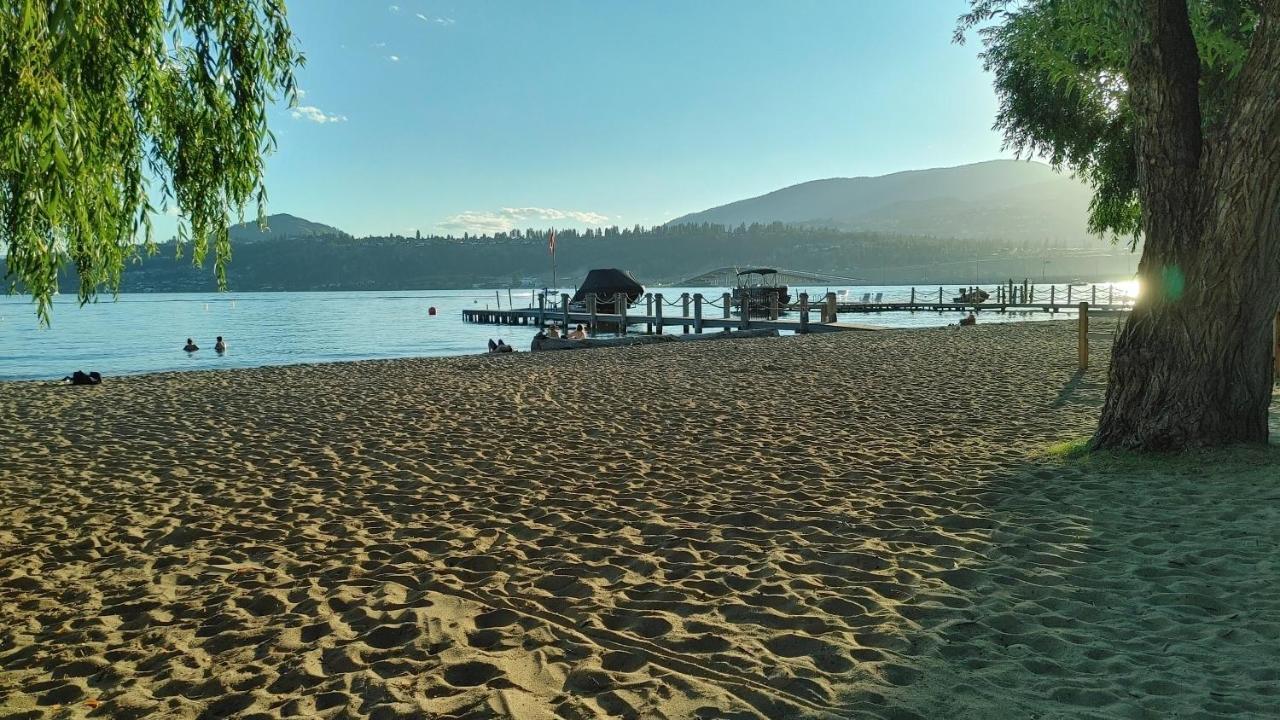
[972, 296]
[605, 284]
[757, 286]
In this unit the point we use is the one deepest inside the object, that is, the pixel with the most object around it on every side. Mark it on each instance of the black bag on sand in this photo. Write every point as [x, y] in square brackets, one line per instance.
[80, 378]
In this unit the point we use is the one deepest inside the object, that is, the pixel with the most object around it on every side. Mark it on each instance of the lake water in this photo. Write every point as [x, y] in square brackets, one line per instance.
[145, 332]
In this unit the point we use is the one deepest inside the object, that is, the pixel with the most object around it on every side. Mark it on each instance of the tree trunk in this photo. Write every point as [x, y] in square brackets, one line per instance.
[1192, 364]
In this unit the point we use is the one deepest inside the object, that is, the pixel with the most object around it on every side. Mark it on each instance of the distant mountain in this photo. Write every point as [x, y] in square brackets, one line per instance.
[1007, 200]
[280, 226]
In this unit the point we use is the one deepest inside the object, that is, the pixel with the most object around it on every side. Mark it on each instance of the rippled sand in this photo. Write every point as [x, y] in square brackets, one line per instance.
[851, 525]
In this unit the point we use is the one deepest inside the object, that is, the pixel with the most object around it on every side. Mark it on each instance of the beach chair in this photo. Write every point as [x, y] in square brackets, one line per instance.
[879, 297]
[866, 298]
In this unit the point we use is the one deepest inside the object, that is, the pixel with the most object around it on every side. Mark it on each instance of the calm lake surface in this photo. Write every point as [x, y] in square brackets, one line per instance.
[145, 332]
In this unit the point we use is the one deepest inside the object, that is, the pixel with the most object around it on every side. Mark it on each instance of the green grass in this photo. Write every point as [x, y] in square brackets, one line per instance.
[1069, 449]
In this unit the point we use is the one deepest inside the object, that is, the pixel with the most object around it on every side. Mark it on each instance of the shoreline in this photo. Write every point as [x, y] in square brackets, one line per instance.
[829, 526]
[482, 353]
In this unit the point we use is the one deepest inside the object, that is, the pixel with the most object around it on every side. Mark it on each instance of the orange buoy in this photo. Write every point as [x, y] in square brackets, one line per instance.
[431, 310]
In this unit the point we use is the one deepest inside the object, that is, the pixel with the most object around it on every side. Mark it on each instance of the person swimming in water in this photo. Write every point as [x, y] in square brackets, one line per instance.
[220, 346]
[190, 346]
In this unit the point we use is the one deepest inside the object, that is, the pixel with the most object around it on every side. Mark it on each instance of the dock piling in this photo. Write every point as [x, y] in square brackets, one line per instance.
[591, 308]
[620, 307]
[648, 313]
[804, 312]
[744, 310]
[831, 307]
[697, 313]
[657, 313]
[684, 312]
[564, 308]
[542, 309]
[773, 306]
[726, 302]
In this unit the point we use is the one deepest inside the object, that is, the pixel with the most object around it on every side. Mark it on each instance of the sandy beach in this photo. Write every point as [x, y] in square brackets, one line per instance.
[870, 525]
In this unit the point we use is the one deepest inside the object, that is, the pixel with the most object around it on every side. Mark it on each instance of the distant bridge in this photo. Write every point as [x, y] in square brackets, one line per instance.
[727, 277]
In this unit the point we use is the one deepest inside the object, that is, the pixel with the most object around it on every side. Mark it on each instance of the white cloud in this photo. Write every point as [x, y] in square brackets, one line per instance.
[436, 20]
[394, 8]
[316, 115]
[393, 58]
[504, 219]
[301, 93]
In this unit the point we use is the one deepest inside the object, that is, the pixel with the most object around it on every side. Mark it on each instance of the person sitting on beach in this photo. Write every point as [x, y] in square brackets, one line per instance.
[493, 346]
[220, 346]
[190, 346]
[503, 347]
[578, 333]
[553, 331]
[971, 320]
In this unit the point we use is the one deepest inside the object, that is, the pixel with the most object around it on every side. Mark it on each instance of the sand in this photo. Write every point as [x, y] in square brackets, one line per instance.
[849, 525]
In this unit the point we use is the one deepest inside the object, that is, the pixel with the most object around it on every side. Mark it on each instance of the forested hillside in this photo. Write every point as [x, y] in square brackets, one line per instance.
[658, 255]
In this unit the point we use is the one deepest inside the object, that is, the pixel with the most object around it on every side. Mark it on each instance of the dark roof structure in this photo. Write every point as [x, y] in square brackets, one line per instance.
[608, 282]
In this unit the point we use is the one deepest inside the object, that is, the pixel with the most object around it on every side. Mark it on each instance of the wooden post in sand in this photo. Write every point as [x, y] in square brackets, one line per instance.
[1053, 301]
[726, 302]
[657, 313]
[804, 312]
[620, 307]
[1068, 293]
[773, 305]
[684, 312]
[1275, 352]
[697, 313]
[744, 310]
[831, 307]
[1082, 343]
[564, 308]
[648, 313]
[591, 308]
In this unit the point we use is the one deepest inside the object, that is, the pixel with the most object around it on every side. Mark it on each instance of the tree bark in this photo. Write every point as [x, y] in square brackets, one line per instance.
[1191, 366]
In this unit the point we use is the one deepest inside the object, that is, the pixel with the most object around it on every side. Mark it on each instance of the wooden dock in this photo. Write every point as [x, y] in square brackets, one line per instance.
[658, 323]
[696, 312]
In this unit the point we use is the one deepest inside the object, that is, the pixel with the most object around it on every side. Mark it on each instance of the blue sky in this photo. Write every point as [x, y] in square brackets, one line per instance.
[479, 115]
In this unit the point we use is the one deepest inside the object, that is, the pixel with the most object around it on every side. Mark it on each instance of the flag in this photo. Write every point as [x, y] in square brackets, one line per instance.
[551, 242]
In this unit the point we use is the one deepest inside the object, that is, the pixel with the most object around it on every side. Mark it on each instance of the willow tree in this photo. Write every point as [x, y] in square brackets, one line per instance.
[1171, 109]
[108, 104]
